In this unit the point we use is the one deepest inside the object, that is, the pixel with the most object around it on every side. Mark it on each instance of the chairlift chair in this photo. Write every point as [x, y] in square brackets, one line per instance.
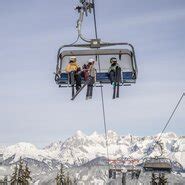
[158, 164]
[98, 50]
[126, 59]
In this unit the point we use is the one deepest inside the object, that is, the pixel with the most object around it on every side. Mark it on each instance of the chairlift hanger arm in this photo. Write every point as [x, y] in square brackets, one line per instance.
[83, 10]
[79, 25]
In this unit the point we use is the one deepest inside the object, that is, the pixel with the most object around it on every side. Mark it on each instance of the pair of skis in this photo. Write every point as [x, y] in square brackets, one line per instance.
[116, 83]
[75, 95]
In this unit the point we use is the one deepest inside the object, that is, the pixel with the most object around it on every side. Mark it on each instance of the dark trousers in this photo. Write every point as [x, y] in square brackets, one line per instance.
[112, 76]
[115, 76]
[90, 86]
[75, 78]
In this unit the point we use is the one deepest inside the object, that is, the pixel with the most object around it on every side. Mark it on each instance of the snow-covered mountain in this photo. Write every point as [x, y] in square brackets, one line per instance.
[81, 148]
[85, 150]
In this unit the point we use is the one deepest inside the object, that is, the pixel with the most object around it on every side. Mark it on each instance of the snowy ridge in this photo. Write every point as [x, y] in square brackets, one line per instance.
[81, 148]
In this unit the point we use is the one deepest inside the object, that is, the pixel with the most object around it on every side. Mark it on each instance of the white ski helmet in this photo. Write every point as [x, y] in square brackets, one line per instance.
[91, 60]
[72, 58]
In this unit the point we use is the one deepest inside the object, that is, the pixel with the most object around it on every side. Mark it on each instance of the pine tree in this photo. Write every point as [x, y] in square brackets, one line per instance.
[61, 178]
[26, 175]
[1, 182]
[75, 181]
[13, 180]
[5, 180]
[21, 174]
[68, 180]
[20, 178]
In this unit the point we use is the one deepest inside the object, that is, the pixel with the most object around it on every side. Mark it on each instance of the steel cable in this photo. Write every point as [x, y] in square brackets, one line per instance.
[167, 123]
[102, 94]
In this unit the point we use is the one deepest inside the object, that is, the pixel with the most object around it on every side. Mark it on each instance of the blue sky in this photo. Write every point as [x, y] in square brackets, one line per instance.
[34, 109]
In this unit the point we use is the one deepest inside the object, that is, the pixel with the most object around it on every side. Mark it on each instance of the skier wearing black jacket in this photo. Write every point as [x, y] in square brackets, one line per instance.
[112, 69]
[114, 73]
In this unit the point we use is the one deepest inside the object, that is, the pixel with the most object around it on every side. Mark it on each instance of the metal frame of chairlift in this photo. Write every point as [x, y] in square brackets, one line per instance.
[95, 50]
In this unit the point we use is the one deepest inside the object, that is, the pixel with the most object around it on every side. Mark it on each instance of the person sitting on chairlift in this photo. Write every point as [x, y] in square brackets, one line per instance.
[73, 71]
[112, 70]
[91, 78]
[85, 73]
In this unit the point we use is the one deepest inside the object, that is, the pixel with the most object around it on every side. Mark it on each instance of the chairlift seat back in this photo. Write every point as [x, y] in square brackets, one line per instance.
[101, 77]
[158, 165]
